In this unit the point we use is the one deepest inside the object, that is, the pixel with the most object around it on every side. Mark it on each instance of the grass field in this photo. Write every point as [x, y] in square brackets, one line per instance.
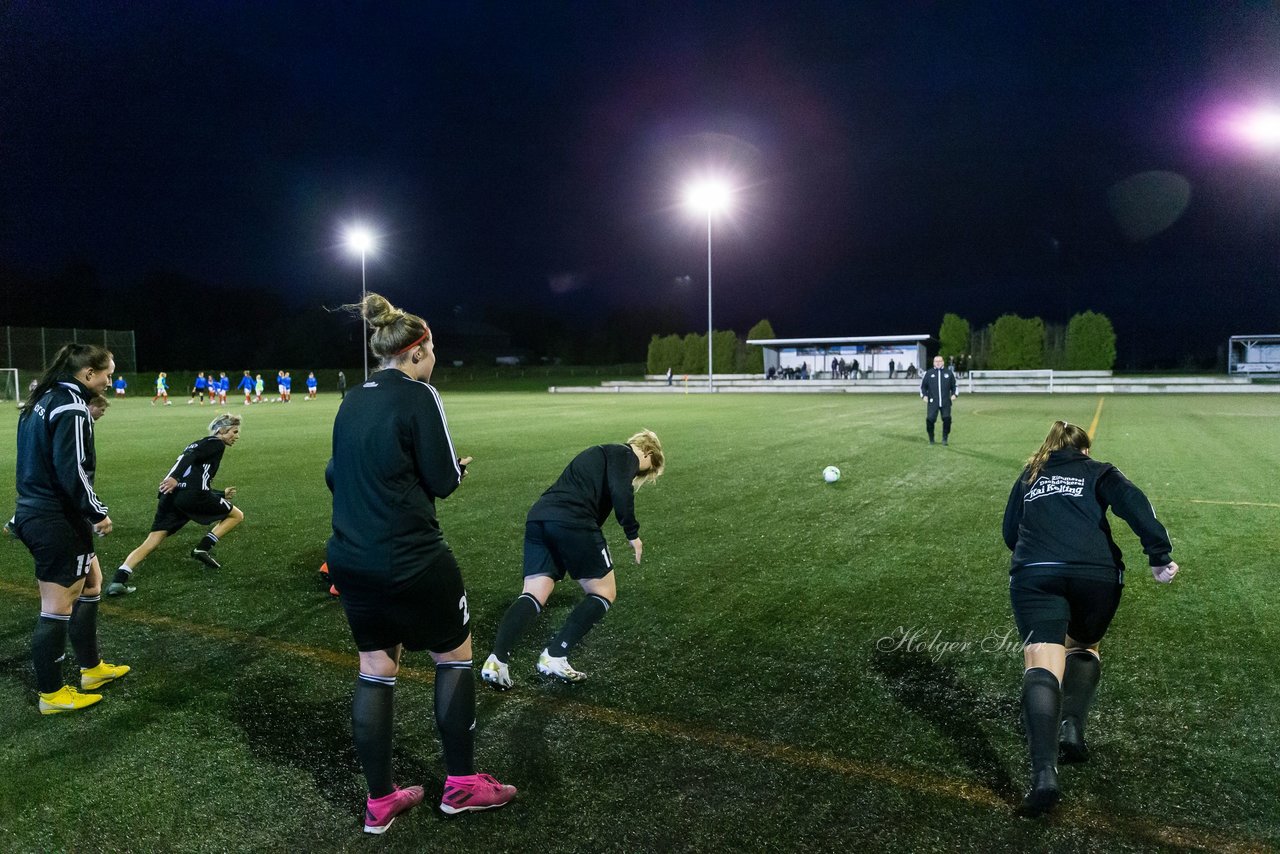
[752, 689]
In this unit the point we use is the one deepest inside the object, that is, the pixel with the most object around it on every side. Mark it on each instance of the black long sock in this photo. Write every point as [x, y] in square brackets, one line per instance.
[48, 643]
[586, 614]
[523, 611]
[122, 576]
[83, 631]
[456, 716]
[371, 724]
[1041, 711]
[1079, 682]
[207, 542]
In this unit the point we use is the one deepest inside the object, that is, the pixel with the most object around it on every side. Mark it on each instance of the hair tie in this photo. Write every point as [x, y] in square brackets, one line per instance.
[420, 339]
[1066, 424]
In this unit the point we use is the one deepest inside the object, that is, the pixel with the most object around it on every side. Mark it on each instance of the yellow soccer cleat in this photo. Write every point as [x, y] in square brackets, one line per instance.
[66, 699]
[96, 677]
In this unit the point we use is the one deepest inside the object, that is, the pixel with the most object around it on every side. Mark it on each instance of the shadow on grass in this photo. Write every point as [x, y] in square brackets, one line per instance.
[934, 692]
[282, 728]
[963, 449]
[17, 664]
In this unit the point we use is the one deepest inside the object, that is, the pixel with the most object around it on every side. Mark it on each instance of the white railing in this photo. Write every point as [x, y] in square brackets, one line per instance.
[1038, 374]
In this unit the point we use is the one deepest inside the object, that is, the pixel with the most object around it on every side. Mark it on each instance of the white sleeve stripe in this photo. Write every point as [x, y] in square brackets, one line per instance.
[75, 406]
[84, 477]
[453, 455]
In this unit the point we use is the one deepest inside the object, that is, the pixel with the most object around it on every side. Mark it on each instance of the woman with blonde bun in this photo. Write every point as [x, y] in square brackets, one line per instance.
[393, 458]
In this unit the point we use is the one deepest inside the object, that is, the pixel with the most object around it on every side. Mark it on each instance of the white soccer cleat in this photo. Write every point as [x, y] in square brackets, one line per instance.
[559, 668]
[496, 674]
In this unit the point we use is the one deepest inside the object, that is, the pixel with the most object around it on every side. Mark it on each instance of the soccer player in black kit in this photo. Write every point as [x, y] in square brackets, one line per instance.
[187, 495]
[562, 534]
[401, 587]
[1065, 583]
[58, 514]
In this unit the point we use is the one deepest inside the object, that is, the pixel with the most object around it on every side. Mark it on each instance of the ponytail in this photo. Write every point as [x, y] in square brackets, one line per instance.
[1063, 434]
[70, 360]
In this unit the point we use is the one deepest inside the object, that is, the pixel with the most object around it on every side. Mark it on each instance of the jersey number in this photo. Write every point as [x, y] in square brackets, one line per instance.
[462, 606]
[83, 563]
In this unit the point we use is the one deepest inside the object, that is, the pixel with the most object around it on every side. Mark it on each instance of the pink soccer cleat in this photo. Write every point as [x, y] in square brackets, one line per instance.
[474, 792]
[379, 813]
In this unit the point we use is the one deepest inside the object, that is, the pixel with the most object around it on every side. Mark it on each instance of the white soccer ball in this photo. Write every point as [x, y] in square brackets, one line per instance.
[831, 474]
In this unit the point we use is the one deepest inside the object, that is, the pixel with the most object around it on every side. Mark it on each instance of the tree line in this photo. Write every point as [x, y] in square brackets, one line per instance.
[1086, 343]
[687, 354]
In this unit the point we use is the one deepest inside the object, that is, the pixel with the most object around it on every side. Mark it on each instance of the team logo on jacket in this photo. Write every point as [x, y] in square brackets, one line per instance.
[1072, 487]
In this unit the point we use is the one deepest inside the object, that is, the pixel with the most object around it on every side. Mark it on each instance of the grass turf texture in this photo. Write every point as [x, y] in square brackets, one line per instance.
[751, 689]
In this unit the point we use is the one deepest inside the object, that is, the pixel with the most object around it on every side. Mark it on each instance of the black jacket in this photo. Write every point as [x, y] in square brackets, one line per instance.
[56, 459]
[596, 483]
[1061, 519]
[199, 462]
[938, 385]
[392, 458]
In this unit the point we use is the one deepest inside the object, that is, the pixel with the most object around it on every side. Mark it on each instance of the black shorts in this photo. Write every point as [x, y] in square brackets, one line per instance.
[182, 506]
[62, 547]
[554, 548]
[1049, 605]
[430, 612]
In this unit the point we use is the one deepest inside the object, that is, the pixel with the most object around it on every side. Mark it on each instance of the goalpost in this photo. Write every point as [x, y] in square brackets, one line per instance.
[10, 391]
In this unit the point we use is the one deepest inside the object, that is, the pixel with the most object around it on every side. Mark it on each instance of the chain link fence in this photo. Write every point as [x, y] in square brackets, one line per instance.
[30, 349]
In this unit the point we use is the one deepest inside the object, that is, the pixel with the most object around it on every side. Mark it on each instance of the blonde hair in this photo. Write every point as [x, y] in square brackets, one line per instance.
[1063, 434]
[225, 421]
[647, 442]
[394, 330]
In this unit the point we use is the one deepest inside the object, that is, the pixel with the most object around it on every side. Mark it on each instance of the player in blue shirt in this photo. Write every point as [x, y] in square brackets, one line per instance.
[311, 386]
[288, 387]
[246, 385]
[199, 388]
[120, 386]
[224, 386]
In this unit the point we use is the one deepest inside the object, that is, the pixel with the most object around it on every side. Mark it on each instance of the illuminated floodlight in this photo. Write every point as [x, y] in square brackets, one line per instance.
[1260, 128]
[360, 240]
[709, 196]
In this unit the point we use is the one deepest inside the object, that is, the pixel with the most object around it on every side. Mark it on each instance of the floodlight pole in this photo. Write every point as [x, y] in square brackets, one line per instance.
[364, 342]
[711, 386]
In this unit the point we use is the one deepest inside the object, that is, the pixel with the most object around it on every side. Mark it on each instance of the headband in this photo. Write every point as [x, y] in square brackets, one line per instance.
[420, 339]
[222, 422]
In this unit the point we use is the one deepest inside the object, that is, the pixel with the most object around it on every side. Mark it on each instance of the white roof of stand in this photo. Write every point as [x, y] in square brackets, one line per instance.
[857, 339]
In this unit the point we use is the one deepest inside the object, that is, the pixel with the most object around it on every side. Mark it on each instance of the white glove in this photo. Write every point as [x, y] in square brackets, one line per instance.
[1164, 574]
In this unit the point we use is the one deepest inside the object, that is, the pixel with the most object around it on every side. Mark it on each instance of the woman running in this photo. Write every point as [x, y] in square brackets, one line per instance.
[1065, 583]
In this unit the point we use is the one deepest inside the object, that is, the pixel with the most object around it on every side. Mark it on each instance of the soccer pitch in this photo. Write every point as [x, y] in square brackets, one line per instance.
[796, 665]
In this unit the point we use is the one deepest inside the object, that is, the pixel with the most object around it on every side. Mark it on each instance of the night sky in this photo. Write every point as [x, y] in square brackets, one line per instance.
[524, 163]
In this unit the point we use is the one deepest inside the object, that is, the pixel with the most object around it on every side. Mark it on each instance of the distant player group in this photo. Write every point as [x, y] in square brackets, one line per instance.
[217, 388]
[402, 589]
